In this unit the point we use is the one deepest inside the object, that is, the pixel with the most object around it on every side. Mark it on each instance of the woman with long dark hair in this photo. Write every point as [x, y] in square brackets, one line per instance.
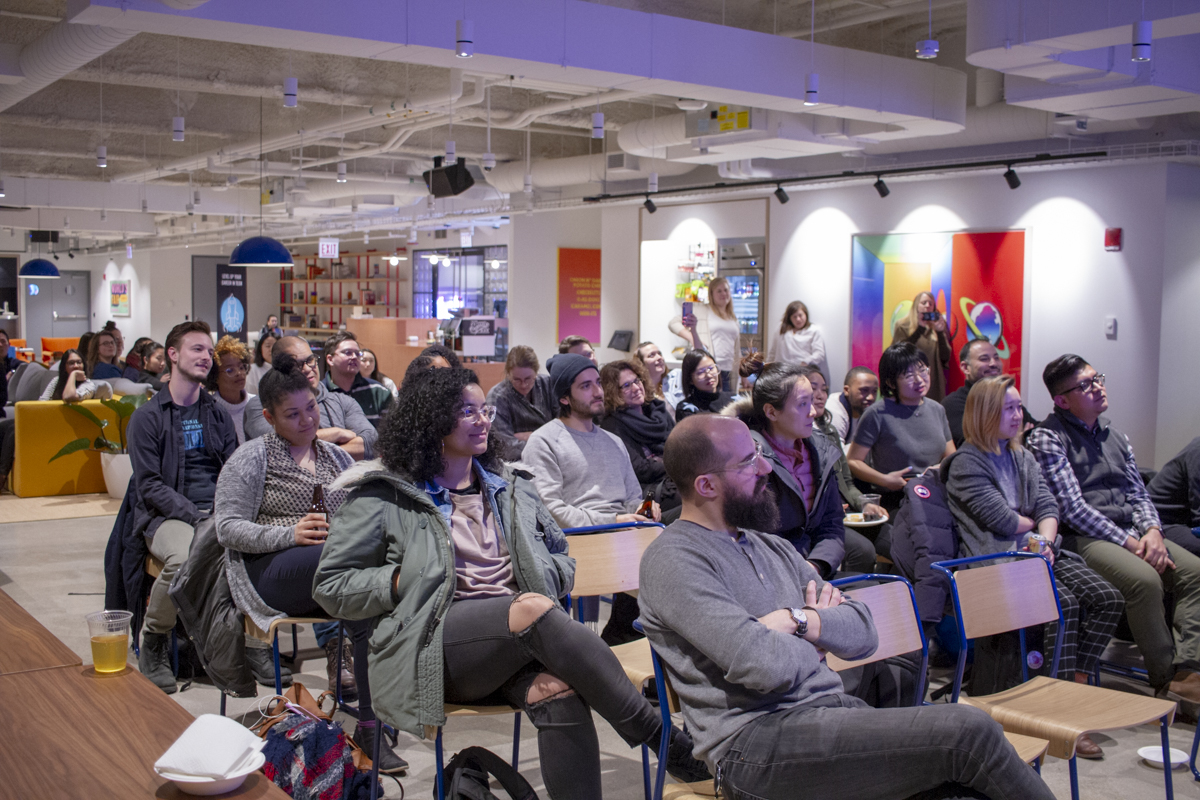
[798, 341]
[262, 361]
[463, 567]
[368, 367]
[701, 384]
[71, 385]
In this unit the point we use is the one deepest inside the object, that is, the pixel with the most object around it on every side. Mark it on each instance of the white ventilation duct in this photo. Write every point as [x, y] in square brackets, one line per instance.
[552, 173]
[403, 193]
[60, 51]
[183, 5]
[745, 170]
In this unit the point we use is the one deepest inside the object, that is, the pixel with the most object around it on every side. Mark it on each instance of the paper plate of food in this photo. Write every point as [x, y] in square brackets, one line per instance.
[857, 520]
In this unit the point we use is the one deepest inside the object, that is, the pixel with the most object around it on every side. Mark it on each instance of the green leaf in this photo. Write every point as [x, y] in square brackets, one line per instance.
[136, 400]
[105, 446]
[86, 413]
[119, 407]
[72, 447]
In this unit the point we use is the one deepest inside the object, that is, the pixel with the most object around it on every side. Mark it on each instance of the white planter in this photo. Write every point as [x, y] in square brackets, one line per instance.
[118, 469]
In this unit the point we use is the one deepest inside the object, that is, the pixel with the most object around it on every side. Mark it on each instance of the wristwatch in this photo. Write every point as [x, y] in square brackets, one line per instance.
[801, 620]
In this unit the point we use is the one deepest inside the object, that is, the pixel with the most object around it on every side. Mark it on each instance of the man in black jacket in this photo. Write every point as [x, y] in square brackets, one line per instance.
[978, 359]
[1175, 492]
[178, 442]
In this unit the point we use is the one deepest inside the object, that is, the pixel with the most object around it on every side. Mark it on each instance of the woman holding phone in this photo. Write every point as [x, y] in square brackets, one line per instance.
[925, 329]
[712, 327]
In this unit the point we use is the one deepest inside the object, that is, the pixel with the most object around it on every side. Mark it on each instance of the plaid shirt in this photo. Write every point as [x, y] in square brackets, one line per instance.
[374, 398]
[1051, 451]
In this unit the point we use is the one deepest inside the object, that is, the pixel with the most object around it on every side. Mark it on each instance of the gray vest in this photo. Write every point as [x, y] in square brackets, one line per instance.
[1098, 458]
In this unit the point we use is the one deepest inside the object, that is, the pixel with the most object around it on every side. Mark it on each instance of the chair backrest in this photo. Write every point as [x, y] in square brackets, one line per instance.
[58, 344]
[33, 382]
[608, 563]
[1005, 597]
[895, 619]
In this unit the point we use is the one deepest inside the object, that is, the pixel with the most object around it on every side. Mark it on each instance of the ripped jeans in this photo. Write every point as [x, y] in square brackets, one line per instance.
[487, 662]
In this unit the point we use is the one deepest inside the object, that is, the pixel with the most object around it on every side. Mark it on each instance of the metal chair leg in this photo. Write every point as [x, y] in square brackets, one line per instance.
[1074, 779]
[1168, 767]
[375, 747]
[275, 656]
[516, 740]
[437, 746]
[295, 643]
[222, 704]
[646, 772]
[1192, 760]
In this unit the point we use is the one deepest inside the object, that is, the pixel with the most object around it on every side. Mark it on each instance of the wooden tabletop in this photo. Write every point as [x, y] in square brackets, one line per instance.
[72, 733]
[26, 644]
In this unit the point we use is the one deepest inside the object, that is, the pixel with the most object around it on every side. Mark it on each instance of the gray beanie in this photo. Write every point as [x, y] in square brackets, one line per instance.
[564, 369]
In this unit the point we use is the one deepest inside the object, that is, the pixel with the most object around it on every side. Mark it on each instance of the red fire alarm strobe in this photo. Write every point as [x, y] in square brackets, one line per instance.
[1112, 239]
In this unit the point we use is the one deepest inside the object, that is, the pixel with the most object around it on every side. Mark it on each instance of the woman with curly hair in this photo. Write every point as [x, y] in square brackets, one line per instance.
[463, 567]
[227, 380]
[642, 422]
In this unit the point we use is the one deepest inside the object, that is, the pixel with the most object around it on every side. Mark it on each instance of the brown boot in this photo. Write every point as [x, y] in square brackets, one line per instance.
[1186, 685]
[349, 686]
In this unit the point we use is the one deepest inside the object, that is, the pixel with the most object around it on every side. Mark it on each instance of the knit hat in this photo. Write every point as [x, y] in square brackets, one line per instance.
[564, 369]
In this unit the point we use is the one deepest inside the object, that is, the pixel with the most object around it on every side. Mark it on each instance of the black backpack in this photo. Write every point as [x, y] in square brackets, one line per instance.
[467, 775]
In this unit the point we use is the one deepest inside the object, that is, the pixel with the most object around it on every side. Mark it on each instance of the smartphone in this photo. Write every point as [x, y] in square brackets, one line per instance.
[687, 309]
[931, 316]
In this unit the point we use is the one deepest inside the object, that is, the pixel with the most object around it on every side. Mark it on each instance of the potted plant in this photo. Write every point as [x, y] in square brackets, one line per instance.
[114, 458]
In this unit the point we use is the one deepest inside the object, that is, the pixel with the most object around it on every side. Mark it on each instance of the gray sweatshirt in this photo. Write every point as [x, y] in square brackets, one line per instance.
[701, 594]
[583, 478]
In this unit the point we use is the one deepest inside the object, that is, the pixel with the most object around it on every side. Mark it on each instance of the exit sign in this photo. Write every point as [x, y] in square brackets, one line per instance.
[327, 248]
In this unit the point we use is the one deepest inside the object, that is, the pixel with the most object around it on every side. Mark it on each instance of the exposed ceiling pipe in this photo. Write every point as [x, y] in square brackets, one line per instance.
[280, 170]
[745, 170]
[59, 51]
[891, 12]
[527, 116]
[401, 192]
[549, 173]
[183, 5]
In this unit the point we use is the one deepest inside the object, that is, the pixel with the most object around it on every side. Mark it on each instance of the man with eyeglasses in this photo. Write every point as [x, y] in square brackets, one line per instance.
[743, 624]
[342, 376]
[1107, 516]
[342, 420]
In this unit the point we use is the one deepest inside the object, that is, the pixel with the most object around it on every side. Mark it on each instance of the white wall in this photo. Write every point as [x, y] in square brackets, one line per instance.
[618, 278]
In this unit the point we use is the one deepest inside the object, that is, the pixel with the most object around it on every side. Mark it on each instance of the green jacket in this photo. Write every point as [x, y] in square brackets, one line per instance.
[389, 525]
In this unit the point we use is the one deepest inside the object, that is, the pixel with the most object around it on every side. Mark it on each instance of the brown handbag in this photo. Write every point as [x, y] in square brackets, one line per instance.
[297, 695]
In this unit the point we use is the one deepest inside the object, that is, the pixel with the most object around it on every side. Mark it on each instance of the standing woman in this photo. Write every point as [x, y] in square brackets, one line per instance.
[522, 400]
[227, 380]
[262, 362]
[798, 341]
[463, 568]
[103, 362]
[701, 386]
[925, 328]
[713, 328]
[650, 356]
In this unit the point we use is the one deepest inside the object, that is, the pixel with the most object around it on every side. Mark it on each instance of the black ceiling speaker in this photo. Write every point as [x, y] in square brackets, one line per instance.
[43, 237]
[448, 181]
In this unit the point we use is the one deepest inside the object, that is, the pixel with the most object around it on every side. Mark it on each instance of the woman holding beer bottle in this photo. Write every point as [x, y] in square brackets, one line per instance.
[272, 517]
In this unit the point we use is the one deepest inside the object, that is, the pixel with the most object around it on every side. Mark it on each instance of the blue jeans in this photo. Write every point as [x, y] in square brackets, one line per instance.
[838, 747]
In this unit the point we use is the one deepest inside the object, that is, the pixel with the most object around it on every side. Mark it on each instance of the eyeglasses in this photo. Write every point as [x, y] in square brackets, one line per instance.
[349, 353]
[916, 373]
[625, 387]
[709, 370]
[1090, 385]
[305, 363]
[750, 463]
[470, 413]
[236, 369]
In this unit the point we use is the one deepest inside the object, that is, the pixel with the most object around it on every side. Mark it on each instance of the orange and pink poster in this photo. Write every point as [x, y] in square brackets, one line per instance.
[579, 293]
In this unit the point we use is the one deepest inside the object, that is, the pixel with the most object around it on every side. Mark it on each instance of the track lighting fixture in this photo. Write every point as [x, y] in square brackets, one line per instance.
[1, 187]
[55, 255]
[881, 187]
[1012, 178]
[489, 162]
[652, 183]
[101, 156]
[341, 173]
[290, 92]
[1143, 36]
[598, 125]
[781, 195]
[177, 129]
[196, 197]
[464, 38]
[70, 254]
[812, 89]
[649, 204]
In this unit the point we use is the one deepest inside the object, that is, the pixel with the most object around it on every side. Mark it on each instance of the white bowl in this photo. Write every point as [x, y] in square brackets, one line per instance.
[1153, 756]
[192, 784]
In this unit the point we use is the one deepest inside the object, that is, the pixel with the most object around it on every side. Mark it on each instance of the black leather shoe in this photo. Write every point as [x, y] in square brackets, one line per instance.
[262, 667]
[389, 762]
[154, 661]
[682, 765]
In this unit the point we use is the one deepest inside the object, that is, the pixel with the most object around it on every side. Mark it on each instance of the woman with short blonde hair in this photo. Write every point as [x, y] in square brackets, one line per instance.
[981, 416]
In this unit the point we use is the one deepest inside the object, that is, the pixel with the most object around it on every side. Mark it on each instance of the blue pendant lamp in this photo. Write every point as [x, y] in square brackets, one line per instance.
[39, 268]
[258, 251]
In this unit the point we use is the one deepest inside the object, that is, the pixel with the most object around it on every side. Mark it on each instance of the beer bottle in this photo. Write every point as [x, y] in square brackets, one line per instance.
[647, 506]
[318, 503]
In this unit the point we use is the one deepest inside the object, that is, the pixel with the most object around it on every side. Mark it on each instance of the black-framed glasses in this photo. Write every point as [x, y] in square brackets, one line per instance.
[1090, 385]
[627, 385]
[750, 463]
[311, 361]
[470, 413]
[711, 369]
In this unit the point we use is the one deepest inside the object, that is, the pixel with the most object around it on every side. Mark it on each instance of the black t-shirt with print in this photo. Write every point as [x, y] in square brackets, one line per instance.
[200, 469]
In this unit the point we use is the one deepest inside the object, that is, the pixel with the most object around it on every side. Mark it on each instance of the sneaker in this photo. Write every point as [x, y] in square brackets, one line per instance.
[389, 762]
[1186, 685]
[349, 685]
[262, 667]
[154, 661]
[682, 765]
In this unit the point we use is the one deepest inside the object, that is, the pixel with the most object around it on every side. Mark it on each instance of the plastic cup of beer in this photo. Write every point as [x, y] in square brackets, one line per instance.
[109, 631]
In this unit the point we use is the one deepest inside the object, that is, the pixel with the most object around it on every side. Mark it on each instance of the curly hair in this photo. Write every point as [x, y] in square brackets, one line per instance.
[228, 345]
[285, 377]
[445, 352]
[610, 380]
[427, 411]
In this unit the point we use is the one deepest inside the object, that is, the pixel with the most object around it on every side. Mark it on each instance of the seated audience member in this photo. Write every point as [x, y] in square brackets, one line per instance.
[580, 346]
[262, 362]
[102, 357]
[522, 402]
[1107, 517]
[642, 423]
[8, 365]
[999, 501]
[1175, 492]
[273, 544]
[227, 380]
[154, 361]
[342, 420]
[651, 357]
[71, 384]
[860, 388]
[85, 342]
[978, 359]
[804, 468]
[441, 357]
[368, 367]
[701, 384]
[582, 472]
[271, 328]
[342, 376]
[178, 442]
[742, 623]
[119, 337]
[493, 613]
[133, 360]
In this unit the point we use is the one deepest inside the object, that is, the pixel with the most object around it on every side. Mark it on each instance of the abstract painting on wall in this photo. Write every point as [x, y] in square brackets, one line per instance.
[977, 279]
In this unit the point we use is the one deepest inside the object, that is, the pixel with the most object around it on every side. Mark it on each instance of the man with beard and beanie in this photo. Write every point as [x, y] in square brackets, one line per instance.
[743, 623]
[582, 472]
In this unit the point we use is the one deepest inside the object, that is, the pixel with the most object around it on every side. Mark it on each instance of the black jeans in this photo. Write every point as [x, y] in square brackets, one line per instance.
[284, 580]
[485, 661]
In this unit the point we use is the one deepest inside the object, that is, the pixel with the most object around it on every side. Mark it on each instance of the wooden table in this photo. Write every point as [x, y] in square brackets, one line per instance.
[26, 644]
[70, 732]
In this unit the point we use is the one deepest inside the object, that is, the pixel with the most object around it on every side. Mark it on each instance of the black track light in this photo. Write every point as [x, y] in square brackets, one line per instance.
[55, 256]
[881, 187]
[649, 204]
[1012, 178]
[70, 254]
[781, 195]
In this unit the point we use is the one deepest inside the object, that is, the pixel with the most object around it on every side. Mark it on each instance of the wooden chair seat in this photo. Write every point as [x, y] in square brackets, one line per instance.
[635, 660]
[1029, 748]
[154, 567]
[269, 635]
[452, 710]
[1062, 711]
[700, 790]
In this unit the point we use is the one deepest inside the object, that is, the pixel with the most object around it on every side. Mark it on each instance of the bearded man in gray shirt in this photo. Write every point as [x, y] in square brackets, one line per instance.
[743, 624]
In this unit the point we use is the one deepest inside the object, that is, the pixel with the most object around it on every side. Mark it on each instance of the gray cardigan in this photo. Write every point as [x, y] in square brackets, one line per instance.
[985, 522]
[239, 496]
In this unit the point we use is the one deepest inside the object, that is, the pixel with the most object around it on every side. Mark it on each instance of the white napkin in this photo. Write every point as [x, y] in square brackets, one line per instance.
[212, 747]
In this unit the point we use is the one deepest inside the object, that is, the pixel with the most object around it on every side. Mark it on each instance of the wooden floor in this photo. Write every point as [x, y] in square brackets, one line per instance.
[69, 506]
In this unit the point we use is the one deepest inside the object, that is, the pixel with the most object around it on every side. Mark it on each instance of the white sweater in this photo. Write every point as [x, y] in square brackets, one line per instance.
[801, 347]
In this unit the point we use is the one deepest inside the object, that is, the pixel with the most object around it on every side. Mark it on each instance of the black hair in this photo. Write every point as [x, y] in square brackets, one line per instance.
[895, 361]
[690, 362]
[965, 351]
[417, 366]
[774, 383]
[1060, 371]
[62, 373]
[136, 350]
[147, 349]
[285, 377]
[428, 410]
[855, 372]
[435, 350]
[258, 356]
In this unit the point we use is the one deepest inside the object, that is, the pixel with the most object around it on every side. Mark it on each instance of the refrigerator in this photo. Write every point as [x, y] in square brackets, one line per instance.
[742, 262]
